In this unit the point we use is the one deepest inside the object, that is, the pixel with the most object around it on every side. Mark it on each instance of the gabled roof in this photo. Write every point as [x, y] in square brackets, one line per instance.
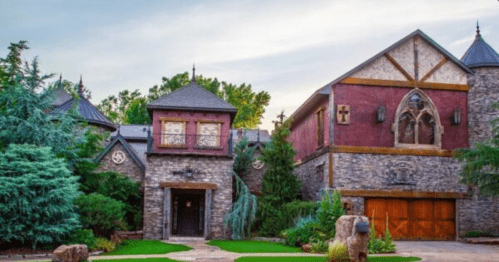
[480, 53]
[192, 97]
[325, 90]
[252, 135]
[120, 139]
[132, 132]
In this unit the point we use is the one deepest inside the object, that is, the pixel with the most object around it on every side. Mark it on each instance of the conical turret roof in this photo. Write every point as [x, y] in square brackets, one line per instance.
[480, 54]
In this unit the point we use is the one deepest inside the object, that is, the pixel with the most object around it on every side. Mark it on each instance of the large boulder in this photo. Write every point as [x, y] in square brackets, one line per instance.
[71, 253]
[353, 233]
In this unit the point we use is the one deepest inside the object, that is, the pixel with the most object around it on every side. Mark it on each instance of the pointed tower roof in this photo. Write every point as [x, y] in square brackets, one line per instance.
[88, 111]
[60, 96]
[480, 54]
[192, 97]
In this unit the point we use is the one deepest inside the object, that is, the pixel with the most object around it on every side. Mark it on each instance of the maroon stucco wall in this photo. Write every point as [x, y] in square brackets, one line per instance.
[191, 131]
[304, 131]
[364, 101]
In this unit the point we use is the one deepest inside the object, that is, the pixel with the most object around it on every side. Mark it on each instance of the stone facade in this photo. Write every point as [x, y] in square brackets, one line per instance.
[206, 169]
[314, 175]
[128, 167]
[478, 213]
[254, 177]
[484, 87]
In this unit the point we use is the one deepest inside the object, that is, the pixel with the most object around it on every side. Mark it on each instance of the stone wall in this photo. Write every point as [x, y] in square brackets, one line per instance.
[254, 177]
[396, 172]
[484, 87]
[128, 168]
[314, 175]
[161, 168]
[478, 213]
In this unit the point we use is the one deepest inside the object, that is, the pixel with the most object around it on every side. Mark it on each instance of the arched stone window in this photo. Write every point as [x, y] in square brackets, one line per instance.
[417, 124]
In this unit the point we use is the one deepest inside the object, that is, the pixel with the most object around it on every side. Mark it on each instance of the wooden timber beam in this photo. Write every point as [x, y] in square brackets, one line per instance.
[188, 185]
[405, 84]
[391, 151]
[401, 194]
[399, 67]
[434, 69]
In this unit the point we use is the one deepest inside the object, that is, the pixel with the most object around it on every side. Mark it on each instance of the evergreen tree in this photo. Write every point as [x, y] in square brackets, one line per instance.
[36, 196]
[279, 184]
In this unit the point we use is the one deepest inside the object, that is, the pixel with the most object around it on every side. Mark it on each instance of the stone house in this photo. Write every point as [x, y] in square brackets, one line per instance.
[384, 134]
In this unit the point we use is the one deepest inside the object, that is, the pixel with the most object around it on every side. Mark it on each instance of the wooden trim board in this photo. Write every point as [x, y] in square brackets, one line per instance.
[405, 84]
[404, 194]
[391, 151]
[188, 185]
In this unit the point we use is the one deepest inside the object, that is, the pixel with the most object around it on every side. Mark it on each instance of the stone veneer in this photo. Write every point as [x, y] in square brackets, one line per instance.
[128, 168]
[484, 87]
[312, 181]
[160, 168]
[254, 177]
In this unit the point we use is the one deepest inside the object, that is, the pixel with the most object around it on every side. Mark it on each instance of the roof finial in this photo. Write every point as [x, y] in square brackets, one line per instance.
[80, 87]
[60, 81]
[193, 73]
[477, 28]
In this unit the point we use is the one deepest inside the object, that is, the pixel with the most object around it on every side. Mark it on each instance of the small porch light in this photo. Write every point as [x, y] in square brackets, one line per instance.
[380, 114]
[188, 173]
[456, 117]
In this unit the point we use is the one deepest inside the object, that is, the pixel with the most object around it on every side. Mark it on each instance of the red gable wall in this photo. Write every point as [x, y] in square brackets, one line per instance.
[364, 101]
[304, 132]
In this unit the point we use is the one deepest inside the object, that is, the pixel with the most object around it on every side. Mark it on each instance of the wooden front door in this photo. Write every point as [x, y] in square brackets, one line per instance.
[415, 219]
[188, 215]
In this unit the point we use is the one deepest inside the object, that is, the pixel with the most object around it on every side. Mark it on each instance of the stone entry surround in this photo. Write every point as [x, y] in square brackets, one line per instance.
[166, 172]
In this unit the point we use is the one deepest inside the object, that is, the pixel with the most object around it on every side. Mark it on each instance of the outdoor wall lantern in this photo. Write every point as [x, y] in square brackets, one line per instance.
[362, 227]
[456, 117]
[188, 173]
[380, 114]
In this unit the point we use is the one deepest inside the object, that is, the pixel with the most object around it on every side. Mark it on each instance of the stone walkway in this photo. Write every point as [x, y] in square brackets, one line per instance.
[448, 251]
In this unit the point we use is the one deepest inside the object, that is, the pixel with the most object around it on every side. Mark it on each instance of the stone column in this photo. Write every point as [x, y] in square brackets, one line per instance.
[207, 213]
[166, 214]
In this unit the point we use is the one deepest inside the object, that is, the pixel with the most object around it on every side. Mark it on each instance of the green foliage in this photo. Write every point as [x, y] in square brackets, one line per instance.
[101, 213]
[380, 245]
[36, 196]
[136, 113]
[319, 246]
[243, 157]
[331, 208]
[479, 234]
[481, 162]
[338, 252]
[292, 211]
[253, 246]
[105, 245]
[82, 236]
[301, 233]
[12, 65]
[116, 108]
[279, 184]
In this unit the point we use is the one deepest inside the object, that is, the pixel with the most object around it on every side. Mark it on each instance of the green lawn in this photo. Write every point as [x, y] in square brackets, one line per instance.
[143, 247]
[322, 259]
[251, 246]
[138, 260]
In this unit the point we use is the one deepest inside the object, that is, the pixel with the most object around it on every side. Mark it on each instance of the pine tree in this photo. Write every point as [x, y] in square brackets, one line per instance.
[279, 184]
[36, 196]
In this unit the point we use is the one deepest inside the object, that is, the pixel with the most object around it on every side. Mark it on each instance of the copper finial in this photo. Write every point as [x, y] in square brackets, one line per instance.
[80, 87]
[193, 73]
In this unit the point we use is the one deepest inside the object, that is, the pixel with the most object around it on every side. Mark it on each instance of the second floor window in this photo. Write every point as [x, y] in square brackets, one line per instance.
[173, 132]
[320, 127]
[208, 133]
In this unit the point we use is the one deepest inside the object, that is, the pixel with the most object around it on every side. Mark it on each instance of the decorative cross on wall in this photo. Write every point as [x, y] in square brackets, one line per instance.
[343, 114]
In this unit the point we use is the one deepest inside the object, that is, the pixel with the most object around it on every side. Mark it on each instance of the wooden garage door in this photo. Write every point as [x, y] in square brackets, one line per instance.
[423, 219]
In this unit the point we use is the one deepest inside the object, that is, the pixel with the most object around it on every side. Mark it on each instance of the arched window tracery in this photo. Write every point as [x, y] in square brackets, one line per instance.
[417, 124]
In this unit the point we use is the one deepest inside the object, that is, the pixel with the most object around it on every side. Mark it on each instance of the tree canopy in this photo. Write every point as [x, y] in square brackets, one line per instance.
[481, 162]
[130, 107]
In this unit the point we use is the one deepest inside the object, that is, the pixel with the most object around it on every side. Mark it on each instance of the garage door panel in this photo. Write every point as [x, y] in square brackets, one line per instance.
[397, 209]
[376, 207]
[399, 228]
[444, 210]
[422, 229]
[444, 230]
[422, 209]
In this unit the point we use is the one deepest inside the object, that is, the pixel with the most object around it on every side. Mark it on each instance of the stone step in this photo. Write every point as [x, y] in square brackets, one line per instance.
[186, 240]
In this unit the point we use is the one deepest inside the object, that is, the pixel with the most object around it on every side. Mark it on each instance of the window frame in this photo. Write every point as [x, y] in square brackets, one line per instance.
[162, 135]
[199, 122]
[319, 114]
[431, 110]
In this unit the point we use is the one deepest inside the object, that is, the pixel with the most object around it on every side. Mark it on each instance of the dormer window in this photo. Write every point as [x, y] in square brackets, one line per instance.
[417, 124]
[208, 133]
[173, 132]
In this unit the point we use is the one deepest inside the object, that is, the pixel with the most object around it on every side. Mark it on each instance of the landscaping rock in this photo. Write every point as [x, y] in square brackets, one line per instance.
[355, 242]
[71, 253]
[306, 248]
[483, 240]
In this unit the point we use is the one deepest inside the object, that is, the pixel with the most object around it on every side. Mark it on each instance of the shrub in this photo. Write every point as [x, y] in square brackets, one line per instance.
[331, 208]
[82, 236]
[378, 245]
[102, 214]
[479, 234]
[36, 196]
[337, 252]
[104, 245]
[304, 229]
[319, 246]
[292, 211]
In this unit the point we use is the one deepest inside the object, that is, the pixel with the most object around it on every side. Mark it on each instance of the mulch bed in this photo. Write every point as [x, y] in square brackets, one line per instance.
[21, 251]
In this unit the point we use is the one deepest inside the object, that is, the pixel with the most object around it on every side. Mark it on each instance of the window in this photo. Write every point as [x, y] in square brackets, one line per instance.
[320, 127]
[173, 132]
[417, 124]
[209, 133]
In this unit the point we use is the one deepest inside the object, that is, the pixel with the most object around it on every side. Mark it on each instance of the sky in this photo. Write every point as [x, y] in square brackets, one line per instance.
[288, 48]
